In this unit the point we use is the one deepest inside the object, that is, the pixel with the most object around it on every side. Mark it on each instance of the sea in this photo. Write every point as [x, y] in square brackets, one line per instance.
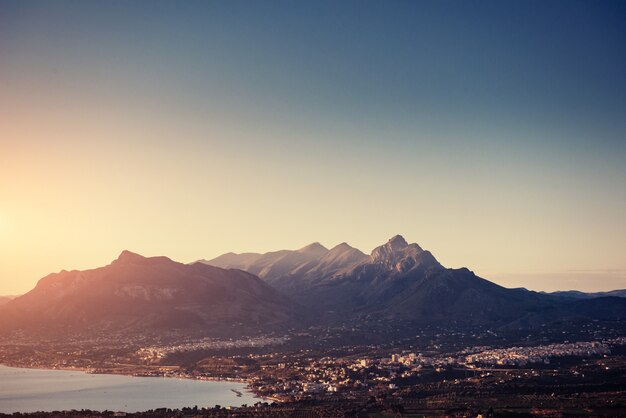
[32, 390]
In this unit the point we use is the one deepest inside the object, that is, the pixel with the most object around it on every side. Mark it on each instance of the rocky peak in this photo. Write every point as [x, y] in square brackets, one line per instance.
[398, 255]
[397, 242]
[393, 248]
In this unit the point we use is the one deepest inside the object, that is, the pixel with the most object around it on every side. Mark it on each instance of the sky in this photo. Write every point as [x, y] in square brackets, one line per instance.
[492, 133]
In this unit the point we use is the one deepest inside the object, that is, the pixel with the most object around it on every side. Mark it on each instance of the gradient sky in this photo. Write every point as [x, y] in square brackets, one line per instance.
[491, 133]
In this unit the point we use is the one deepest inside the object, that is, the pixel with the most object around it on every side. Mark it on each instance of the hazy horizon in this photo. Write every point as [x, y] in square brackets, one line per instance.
[491, 133]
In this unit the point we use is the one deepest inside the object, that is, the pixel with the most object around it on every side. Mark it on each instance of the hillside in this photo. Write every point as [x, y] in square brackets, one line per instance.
[400, 281]
[155, 294]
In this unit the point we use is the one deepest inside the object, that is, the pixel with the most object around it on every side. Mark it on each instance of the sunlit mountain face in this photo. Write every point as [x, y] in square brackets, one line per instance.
[136, 294]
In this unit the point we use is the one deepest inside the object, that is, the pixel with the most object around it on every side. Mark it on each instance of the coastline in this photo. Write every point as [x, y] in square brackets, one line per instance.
[116, 372]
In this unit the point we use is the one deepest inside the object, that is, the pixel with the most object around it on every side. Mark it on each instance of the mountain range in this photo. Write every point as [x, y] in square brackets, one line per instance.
[242, 293]
[400, 281]
[292, 271]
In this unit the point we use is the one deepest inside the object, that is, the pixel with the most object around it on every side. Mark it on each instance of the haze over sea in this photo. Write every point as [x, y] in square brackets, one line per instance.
[31, 390]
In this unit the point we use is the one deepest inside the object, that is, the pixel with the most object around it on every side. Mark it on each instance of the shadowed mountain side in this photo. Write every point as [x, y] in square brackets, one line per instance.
[139, 293]
[428, 295]
[605, 308]
[398, 281]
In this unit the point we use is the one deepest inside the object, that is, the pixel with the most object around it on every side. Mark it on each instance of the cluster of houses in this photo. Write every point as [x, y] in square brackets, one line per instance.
[154, 354]
[521, 356]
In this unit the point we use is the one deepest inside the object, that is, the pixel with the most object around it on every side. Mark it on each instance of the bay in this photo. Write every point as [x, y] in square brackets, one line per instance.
[31, 390]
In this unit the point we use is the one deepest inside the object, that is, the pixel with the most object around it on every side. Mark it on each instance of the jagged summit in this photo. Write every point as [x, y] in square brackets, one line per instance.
[395, 244]
[397, 241]
[315, 262]
[399, 255]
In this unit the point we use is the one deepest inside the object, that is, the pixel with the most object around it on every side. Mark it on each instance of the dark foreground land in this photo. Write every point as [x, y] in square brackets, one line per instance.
[375, 372]
[568, 386]
[600, 404]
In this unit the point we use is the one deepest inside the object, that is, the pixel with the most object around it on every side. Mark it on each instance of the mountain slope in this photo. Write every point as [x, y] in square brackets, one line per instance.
[400, 281]
[287, 268]
[139, 293]
[6, 299]
[403, 281]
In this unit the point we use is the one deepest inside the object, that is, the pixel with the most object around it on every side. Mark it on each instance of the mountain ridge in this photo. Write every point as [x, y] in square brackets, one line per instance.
[399, 281]
[133, 292]
[314, 285]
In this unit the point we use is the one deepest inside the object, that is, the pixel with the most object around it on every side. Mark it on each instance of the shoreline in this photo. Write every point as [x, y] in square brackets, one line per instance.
[95, 371]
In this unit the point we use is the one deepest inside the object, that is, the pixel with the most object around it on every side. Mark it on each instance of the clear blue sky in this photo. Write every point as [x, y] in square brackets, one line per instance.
[492, 133]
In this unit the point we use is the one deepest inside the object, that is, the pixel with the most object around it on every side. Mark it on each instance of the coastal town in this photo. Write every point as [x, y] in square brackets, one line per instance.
[278, 371]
